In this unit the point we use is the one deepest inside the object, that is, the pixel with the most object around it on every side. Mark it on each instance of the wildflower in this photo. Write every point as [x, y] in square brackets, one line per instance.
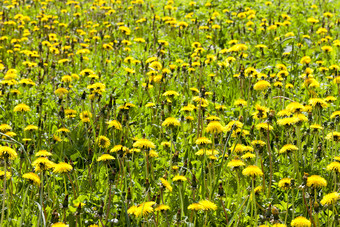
[142, 209]
[5, 127]
[206, 152]
[166, 184]
[285, 183]
[105, 157]
[235, 124]
[170, 94]
[240, 103]
[335, 136]
[317, 102]
[70, 113]
[42, 164]
[330, 198]
[235, 163]
[171, 121]
[7, 153]
[214, 127]
[305, 60]
[119, 148]
[103, 142]
[334, 166]
[60, 92]
[207, 205]
[179, 178]
[2, 175]
[62, 167]
[34, 178]
[264, 127]
[21, 108]
[301, 222]
[162, 207]
[203, 141]
[295, 107]
[85, 116]
[261, 85]
[316, 181]
[43, 153]
[195, 206]
[288, 121]
[59, 224]
[288, 148]
[114, 124]
[144, 144]
[248, 156]
[252, 171]
[31, 128]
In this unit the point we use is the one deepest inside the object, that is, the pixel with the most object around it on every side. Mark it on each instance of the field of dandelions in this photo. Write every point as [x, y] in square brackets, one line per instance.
[169, 113]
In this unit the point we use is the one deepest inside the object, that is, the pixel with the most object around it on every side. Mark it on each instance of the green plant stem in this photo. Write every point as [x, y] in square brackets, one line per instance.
[4, 195]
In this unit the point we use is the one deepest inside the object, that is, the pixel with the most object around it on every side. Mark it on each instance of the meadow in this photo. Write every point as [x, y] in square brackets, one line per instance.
[169, 113]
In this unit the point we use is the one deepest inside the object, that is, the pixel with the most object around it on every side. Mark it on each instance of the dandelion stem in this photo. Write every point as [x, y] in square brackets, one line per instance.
[4, 195]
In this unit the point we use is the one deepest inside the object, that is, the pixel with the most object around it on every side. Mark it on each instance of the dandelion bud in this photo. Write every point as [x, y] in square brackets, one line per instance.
[62, 112]
[65, 203]
[129, 195]
[101, 210]
[147, 184]
[220, 190]
[316, 207]
[55, 216]
[83, 96]
[194, 182]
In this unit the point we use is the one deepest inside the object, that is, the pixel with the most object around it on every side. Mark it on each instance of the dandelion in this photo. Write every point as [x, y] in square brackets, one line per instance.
[330, 198]
[103, 142]
[301, 222]
[171, 122]
[21, 108]
[179, 178]
[316, 181]
[7, 153]
[32, 177]
[236, 163]
[43, 153]
[166, 184]
[162, 207]
[105, 157]
[62, 167]
[261, 85]
[59, 224]
[114, 124]
[206, 205]
[334, 166]
[288, 148]
[2, 175]
[42, 164]
[195, 206]
[85, 116]
[285, 183]
[144, 144]
[203, 141]
[252, 171]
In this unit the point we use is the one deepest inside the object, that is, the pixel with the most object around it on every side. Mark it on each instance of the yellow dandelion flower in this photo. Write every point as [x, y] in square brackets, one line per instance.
[166, 184]
[34, 178]
[301, 222]
[62, 167]
[316, 181]
[252, 171]
[330, 198]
